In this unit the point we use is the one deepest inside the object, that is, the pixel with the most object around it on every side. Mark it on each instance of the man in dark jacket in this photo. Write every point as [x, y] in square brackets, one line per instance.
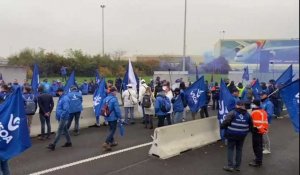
[46, 104]
[237, 124]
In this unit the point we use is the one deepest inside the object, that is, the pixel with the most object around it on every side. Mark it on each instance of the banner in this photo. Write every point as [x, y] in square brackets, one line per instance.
[70, 83]
[14, 134]
[256, 89]
[290, 96]
[196, 95]
[98, 97]
[35, 81]
[130, 78]
[286, 77]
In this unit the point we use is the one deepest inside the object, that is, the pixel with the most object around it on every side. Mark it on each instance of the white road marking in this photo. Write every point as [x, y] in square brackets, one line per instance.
[90, 159]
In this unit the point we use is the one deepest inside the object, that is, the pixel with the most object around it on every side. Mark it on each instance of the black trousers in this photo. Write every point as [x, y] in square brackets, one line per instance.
[203, 111]
[257, 144]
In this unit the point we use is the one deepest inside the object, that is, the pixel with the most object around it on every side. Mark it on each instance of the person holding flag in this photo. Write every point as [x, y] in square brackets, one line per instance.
[75, 97]
[237, 124]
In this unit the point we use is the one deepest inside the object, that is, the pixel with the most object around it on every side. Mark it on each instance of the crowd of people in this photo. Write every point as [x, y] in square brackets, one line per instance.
[157, 99]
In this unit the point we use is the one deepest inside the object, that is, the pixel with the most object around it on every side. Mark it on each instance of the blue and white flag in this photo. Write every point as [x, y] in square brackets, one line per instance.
[246, 74]
[196, 95]
[256, 89]
[71, 82]
[14, 134]
[35, 81]
[290, 96]
[226, 102]
[130, 78]
[286, 77]
[99, 96]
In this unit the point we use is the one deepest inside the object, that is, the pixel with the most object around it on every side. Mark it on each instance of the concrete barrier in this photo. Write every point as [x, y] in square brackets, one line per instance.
[172, 140]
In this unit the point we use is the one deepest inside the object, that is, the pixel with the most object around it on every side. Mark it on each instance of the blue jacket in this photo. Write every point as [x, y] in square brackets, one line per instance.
[46, 86]
[158, 103]
[177, 103]
[75, 101]
[53, 89]
[30, 96]
[84, 88]
[268, 106]
[63, 107]
[113, 105]
[3, 96]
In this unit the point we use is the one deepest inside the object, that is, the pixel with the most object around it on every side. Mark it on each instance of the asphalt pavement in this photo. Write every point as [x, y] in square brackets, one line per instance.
[209, 159]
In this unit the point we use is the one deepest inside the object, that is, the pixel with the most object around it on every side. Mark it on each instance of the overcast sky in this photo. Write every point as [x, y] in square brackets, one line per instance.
[141, 26]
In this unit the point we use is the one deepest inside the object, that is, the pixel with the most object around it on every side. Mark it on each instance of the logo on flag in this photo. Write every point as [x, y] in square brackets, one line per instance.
[195, 95]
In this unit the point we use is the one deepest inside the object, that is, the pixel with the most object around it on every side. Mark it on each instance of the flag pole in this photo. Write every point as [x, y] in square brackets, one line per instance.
[170, 76]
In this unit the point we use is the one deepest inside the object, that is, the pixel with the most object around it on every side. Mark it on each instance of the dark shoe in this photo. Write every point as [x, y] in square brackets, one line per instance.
[237, 169]
[76, 133]
[254, 164]
[151, 127]
[106, 147]
[114, 144]
[67, 144]
[132, 123]
[227, 168]
[41, 138]
[51, 147]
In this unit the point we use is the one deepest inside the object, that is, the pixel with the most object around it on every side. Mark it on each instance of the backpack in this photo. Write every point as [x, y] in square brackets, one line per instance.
[105, 111]
[165, 104]
[30, 106]
[146, 101]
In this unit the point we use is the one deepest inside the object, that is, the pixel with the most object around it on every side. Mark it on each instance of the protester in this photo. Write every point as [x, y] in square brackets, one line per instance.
[178, 105]
[91, 87]
[148, 100]
[4, 167]
[75, 108]
[53, 88]
[84, 88]
[260, 127]
[235, 94]
[109, 85]
[62, 116]
[203, 110]
[162, 106]
[237, 124]
[30, 105]
[247, 96]
[46, 104]
[182, 89]
[142, 91]
[113, 118]
[241, 88]
[215, 96]
[118, 83]
[130, 100]
[267, 105]
[63, 73]
[166, 87]
[46, 85]
[274, 97]
[151, 85]
[5, 92]
[157, 87]
[232, 87]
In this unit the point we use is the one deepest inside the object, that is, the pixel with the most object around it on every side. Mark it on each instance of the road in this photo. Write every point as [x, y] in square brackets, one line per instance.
[209, 160]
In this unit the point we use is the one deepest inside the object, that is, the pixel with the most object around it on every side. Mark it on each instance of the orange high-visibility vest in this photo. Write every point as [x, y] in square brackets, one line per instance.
[260, 120]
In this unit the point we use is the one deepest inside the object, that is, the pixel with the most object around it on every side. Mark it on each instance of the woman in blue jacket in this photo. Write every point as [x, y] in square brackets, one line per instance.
[178, 106]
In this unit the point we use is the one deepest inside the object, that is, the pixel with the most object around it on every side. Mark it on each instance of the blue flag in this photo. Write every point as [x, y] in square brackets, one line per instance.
[286, 77]
[256, 89]
[246, 74]
[290, 96]
[14, 137]
[35, 80]
[98, 97]
[226, 104]
[70, 83]
[197, 76]
[196, 95]
[130, 78]
[1, 78]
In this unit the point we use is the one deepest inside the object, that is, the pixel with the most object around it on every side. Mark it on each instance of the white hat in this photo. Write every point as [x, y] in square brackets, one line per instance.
[129, 85]
[143, 81]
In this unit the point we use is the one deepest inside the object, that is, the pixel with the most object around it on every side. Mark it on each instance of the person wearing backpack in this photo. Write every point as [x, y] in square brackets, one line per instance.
[75, 97]
[113, 116]
[148, 104]
[178, 105]
[260, 127]
[162, 107]
[130, 100]
[237, 124]
[30, 105]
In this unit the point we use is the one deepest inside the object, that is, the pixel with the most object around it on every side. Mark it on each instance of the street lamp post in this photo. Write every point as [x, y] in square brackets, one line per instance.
[184, 37]
[102, 7]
